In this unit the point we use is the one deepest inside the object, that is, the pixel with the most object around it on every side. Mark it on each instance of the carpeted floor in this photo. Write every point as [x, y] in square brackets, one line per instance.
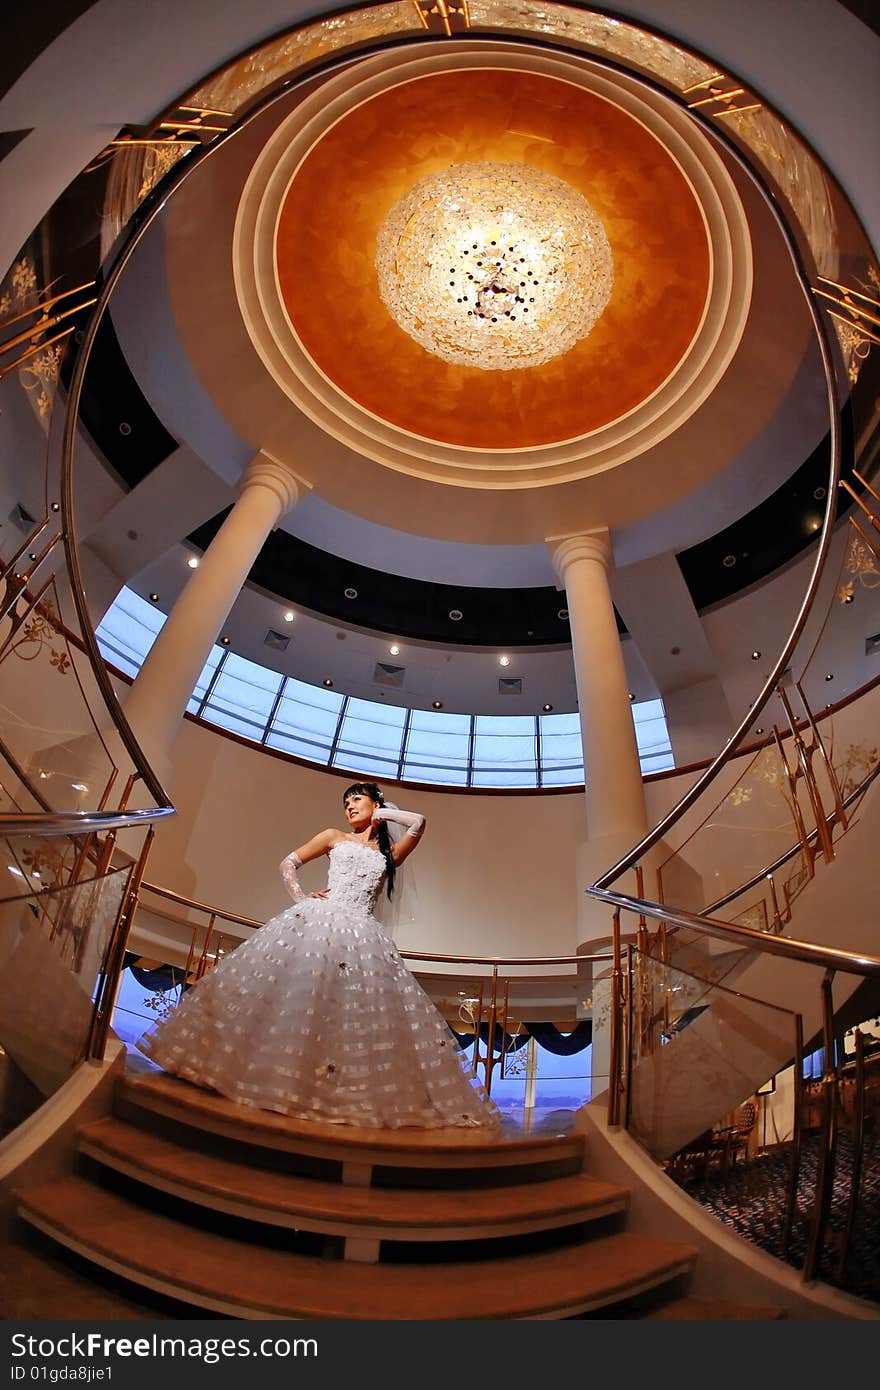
[751, 1198]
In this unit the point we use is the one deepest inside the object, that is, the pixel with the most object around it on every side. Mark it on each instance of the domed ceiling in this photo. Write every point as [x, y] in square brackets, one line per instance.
[340, 196]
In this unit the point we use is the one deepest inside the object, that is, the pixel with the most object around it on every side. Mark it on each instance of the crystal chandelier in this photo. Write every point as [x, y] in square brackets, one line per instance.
[496, 266]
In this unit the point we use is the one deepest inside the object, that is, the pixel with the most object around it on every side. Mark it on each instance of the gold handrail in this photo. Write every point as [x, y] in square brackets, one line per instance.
[829, 958]
[77, 822]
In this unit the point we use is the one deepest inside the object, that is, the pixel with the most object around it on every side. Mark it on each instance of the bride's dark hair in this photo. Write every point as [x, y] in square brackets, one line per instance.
[371, 790]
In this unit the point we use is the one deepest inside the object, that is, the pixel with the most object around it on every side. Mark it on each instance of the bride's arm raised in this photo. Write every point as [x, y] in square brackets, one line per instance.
[312, 849]
[415, 824]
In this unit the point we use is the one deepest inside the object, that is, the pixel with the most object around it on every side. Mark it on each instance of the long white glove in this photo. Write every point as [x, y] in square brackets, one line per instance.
[413, 820]
[288, 868]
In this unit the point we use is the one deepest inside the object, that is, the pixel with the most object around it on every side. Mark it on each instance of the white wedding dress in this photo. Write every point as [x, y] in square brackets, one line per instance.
[317, 1016]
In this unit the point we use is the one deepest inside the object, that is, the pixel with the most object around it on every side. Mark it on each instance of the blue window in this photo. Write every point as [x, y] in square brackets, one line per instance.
[505, 751]
[128, 630]
[372, 738]
[306, 721]
[438, 748]
[243, 697]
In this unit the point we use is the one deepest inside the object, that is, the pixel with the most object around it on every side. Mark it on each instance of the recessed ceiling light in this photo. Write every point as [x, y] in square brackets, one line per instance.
[289, 616]
[504, 661]
[56, 507]
[224, 641]
[546, 708]
[328, 682]
[438, 704]
[44, 775]
[193, 562]
[631, 695]
[756, 655]
[32, 555]
[394, 649]
[350, 592]
[848, 596]
[830, 676]
[729, 561]
[759, 731]
[562, 615]
[154, 598]
[124, 427]
[456, 615]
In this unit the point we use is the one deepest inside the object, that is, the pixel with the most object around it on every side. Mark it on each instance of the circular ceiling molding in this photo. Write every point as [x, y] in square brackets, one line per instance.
[305, 247]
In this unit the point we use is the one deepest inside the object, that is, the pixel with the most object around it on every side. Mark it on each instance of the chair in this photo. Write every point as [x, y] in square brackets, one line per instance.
[731, 1140]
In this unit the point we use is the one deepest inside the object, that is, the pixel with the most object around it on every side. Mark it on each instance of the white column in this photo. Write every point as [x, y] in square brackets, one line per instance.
[615, 797]
[616, 814]
[159, 695]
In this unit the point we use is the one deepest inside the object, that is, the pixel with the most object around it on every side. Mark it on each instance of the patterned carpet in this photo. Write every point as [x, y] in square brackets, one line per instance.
[751, 1197]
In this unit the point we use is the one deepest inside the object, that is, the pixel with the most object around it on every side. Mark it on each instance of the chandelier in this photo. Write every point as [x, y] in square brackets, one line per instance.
[496, 266]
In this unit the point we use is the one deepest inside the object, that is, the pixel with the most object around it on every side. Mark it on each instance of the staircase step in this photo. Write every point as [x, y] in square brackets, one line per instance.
[693, 1309]
[285, 1199]
[243, 1280]
[457, 1147]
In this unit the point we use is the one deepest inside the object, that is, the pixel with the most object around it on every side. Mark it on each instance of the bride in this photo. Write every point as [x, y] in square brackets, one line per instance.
[316, 1015]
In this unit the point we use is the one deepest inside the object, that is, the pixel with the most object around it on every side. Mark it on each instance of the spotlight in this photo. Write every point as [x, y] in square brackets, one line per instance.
[631, 697]
[193, 562]
[830, 676]
[394, 650]
[154, 598]
[224, 641]
[759, 731]
[504, 661]
[328, 682]
[289, 616]
[438, 704]
[546, 708]
[756, 655]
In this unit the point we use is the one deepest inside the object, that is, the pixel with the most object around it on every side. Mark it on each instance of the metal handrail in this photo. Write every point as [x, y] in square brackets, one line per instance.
[198, 906]
[77, 822]
[806, 952]
[178, 898]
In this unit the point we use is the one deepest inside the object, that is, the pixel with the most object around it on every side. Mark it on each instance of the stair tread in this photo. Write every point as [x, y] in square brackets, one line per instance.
[696, 1309]
[146, 1155]
[460, 1146]
[232, 1275]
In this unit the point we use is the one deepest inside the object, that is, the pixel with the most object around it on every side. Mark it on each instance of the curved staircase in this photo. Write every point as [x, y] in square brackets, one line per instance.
[250, 1214]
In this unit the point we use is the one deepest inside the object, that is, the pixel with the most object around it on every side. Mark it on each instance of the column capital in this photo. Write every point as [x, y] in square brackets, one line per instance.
[592, 545]
[271, 473]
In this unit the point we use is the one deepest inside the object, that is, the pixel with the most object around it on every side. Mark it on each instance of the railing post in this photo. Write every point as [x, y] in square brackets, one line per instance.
[796, 1133]
[108, 980]
[828, 1141]
[616, 1024]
